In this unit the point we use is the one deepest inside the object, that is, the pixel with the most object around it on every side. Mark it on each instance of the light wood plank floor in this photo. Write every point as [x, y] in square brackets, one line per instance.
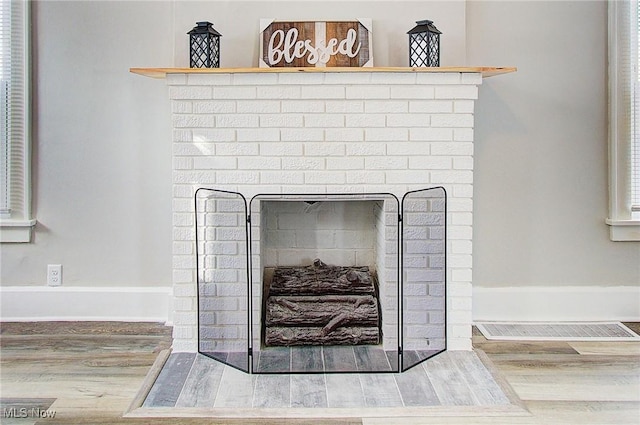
[88, 373]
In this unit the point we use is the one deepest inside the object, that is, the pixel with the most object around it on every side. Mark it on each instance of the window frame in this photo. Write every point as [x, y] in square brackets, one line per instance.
[623, 226]
[18, 226]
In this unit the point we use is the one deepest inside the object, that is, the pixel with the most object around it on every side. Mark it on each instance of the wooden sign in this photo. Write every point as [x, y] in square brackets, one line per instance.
[315, 44]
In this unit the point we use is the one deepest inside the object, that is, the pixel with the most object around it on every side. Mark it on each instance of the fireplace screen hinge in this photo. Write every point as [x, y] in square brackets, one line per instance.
[399, 217]
[250, 351]
[249, 219]
[400, 350]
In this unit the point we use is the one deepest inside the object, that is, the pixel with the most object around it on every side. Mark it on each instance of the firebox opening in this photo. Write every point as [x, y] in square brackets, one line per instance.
[345, 237]
[342, 233]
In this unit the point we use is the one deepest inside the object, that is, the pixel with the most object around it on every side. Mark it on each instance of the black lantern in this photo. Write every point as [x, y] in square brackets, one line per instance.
[205, 46]
[424, 44]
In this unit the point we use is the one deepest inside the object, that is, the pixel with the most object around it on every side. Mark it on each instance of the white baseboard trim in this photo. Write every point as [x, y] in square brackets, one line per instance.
[68, 303]
[146, 304]
[557, 304]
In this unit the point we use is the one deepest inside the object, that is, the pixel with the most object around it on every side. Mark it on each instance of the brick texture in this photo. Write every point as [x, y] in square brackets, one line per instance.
[323, 133]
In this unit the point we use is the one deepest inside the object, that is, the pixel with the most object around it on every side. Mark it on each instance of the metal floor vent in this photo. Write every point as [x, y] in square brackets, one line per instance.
[582, 331]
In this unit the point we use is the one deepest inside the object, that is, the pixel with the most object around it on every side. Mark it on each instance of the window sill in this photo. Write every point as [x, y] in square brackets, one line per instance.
[16, 231]
[624, 230]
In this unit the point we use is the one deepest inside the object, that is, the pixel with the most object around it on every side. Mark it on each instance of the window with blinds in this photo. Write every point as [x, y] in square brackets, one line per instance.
[624, 121]
[5, 110]
[634, 88]
[15, 206]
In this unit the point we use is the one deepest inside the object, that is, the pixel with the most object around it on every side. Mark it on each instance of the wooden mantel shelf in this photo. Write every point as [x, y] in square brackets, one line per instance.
[162, 72]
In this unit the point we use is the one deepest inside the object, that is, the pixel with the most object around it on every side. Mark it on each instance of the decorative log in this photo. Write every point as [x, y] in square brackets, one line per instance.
[281, 336]
[321, 279]
[354, 310]
[321, 305]
[335, 323]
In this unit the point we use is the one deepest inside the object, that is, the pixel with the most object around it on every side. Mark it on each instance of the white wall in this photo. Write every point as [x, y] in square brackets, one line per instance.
[541, 246]
[541, 148]
[102, 136]
[238, 22]
[101, 150]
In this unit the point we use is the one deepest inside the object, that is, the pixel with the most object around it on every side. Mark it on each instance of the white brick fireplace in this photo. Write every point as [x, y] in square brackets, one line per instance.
[324, 132]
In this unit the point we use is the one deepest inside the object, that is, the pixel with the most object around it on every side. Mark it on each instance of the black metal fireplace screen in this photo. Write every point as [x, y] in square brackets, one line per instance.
[266, 302]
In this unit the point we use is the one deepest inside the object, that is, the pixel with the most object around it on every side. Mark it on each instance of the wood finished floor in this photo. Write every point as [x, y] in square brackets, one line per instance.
[88, 373]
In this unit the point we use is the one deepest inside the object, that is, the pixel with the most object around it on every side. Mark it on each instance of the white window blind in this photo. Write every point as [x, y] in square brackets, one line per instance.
[634, 87]
[15, 205]
[5, 110]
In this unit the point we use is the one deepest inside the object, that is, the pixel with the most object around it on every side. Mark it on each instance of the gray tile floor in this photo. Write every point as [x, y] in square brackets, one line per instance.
[456, 378]
[323, 359]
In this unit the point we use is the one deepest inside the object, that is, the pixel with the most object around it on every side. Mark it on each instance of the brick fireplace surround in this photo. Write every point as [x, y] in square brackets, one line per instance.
[324, 131]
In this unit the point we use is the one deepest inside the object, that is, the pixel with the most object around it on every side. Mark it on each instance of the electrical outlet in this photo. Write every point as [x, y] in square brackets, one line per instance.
[54, 274]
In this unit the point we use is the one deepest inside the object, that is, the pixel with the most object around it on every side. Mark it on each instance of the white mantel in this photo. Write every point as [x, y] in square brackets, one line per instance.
[332, 130]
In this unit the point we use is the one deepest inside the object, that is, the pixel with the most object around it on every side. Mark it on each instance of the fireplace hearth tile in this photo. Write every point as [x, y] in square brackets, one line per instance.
[451, 380]
[272, 391]
[380, 390]
[412, 357]
[330, 359]
[415, 390]
[306, 358]
[392, 358]
[207, 376]
[344, 391]
[371, 359]
[275, 359]
[308, 391]
[339, 358]
[171, 380]
[235, 390]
